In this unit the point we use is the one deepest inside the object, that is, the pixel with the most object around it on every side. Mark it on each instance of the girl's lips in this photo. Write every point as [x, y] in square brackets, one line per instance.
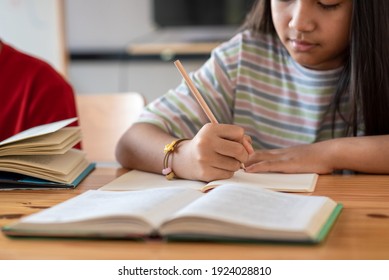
[301, 46]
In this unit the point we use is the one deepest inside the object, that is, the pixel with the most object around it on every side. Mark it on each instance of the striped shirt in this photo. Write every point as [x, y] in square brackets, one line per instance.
[251, 81]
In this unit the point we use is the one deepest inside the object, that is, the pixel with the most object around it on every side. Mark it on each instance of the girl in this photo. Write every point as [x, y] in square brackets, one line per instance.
[306, 82]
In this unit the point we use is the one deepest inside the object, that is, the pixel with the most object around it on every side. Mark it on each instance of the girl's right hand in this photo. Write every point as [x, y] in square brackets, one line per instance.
[216, 152]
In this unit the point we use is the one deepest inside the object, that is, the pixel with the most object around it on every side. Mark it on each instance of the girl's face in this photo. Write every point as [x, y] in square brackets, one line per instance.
[315, 33]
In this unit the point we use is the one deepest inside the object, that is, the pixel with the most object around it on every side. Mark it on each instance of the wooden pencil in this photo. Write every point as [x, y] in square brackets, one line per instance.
[195, 92]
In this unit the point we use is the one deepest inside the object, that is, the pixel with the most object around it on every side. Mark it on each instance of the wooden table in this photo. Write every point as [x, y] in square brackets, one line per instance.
[361, 231]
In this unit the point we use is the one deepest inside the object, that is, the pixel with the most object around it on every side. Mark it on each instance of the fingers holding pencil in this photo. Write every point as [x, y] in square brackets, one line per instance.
[220, 146]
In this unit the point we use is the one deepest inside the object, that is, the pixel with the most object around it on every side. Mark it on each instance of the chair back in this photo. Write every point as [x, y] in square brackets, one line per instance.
[103, 119]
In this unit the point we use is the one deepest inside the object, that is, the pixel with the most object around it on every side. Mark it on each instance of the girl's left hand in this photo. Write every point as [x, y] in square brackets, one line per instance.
[311, 158]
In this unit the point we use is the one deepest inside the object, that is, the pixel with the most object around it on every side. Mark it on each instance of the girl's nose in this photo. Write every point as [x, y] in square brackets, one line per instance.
[302, 19]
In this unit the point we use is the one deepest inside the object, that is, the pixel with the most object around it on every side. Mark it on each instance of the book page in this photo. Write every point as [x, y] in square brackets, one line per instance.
[57, 142]
[274, 181]
[61, 164]
[256, 207]
[38, 130]
[48, 167]
[153, 206]
[139, 180]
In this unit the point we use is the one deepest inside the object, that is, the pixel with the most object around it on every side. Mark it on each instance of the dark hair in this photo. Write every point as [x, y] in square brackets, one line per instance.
[259, 18]
[365, 76]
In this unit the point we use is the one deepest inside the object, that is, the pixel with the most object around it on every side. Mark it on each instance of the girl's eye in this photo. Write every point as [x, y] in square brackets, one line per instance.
[328, 6]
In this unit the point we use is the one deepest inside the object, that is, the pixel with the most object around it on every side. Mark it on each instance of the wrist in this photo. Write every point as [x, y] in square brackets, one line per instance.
[335, 151]
[170, 150]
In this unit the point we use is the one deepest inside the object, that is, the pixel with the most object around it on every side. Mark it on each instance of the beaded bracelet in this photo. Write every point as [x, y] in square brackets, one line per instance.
[168, 150]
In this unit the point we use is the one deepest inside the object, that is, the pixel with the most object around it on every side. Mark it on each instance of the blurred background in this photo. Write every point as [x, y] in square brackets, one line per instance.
[104, 46]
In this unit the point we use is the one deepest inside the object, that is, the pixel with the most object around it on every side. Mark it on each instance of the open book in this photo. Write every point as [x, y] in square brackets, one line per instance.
[230, 213]
[42, 157]
[139, 180]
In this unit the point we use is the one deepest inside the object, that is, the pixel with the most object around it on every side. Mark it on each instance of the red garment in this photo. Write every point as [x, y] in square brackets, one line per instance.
[31, 93]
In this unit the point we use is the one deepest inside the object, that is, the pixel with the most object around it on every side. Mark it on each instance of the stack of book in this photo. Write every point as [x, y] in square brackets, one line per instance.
[43, 157]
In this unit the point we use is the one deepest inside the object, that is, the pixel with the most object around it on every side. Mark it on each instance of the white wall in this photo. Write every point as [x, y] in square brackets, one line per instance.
[109, 25]
[106, 24]
[152, 79]
[35, 27]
